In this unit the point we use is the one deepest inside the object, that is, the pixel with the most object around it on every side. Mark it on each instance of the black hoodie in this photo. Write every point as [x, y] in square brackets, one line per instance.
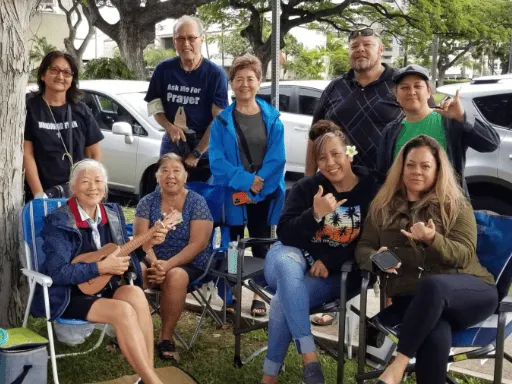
[334, 239]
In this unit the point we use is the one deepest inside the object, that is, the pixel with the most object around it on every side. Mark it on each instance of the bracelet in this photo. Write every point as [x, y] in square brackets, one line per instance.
[197, 154]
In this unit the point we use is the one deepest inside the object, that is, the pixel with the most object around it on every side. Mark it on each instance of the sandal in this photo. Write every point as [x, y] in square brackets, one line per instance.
[167, 351]
[258, 308]
[318, 319]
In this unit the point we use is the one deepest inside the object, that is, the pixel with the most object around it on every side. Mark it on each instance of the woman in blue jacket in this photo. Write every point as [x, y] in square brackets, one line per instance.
[247, 155]
[84, 225]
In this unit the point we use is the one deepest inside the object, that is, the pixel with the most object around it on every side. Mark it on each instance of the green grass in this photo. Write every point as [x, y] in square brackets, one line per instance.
[210, 361]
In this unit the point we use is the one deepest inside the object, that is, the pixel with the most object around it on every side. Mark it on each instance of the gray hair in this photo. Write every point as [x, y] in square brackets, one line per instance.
[185, 20]
[168, 156]
[84, 165]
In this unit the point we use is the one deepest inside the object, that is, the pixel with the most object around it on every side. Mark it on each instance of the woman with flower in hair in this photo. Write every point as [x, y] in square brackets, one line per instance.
[318, 231]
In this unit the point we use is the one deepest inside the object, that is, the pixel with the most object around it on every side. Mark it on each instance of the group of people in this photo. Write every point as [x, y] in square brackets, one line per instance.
[384, 171]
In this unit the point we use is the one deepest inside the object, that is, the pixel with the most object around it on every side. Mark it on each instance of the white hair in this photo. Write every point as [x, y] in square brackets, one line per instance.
[185, 20]
[84, 165]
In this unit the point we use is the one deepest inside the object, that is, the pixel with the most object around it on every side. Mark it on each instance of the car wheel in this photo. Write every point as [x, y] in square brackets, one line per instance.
[148, 182]
[492, 204]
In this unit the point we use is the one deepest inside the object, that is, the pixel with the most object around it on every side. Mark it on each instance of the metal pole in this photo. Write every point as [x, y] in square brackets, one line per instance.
[435, 47]
[276, 40]
[510, 56]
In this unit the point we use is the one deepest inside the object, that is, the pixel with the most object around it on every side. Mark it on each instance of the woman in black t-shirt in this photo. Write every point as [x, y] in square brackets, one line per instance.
[50, 147]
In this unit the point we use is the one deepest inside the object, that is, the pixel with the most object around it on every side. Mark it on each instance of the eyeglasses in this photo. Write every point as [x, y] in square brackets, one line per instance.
[190, 39]
[56, 71]
[362, 32]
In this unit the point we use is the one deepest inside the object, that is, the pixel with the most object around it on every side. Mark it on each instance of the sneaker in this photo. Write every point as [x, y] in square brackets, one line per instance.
[312, 374]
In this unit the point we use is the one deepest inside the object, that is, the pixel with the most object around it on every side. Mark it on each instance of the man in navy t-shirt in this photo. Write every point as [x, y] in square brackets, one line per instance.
[185, 94]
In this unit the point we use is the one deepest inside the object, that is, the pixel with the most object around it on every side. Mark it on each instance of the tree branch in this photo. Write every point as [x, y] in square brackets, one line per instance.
[168, 9]
[112, 30]
[458, 57]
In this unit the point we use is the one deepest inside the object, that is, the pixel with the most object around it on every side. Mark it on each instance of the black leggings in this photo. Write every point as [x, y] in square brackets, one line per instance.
[257, 219]
[441, 305]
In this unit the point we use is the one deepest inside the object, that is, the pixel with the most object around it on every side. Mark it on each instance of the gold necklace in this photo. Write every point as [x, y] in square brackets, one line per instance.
[193, 69]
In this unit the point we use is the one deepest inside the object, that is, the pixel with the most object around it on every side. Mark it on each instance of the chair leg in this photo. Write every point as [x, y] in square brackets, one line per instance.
[507, 357]
[500, 348]
[449, 380]
[32, 287]
[53, 358]
[361, 352]
[341, 330]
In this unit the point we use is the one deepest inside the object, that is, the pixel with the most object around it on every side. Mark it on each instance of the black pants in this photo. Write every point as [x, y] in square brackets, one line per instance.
[441, 305]
[257, 219]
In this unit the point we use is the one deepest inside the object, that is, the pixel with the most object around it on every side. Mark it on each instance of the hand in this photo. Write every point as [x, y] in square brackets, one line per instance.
[318, 269]
[257, 184]
[452, 108]
[390, 270]
[157, 272]
[191, 160]
[40, 195]
[175, 133]
[249, 201]
[421, 232]
[113, 264]
[323, 205]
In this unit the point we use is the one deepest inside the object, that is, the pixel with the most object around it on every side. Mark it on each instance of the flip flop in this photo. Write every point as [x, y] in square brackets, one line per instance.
[334, 319]
[167, 351]
[258, 304]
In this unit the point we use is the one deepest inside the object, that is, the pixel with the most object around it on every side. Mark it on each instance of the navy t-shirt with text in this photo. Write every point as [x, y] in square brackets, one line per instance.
[189, 96]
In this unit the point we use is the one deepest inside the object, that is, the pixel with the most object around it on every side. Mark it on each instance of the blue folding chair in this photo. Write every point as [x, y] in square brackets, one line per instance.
[214, 196]
[32, 257]
[494, 250]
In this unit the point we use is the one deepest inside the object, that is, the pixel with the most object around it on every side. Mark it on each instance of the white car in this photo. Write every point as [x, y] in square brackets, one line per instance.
[297, 102]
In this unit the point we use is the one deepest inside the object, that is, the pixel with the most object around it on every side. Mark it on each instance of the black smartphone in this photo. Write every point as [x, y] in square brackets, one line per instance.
[385, 260]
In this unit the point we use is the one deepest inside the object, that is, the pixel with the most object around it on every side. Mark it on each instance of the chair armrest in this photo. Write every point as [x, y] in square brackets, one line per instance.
[505, 305]
[248, 242]
[349, 266]
[38, 277]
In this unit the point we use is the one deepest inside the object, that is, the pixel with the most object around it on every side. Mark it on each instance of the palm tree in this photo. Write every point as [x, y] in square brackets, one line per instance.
[40, 48]
[342, 231]
[335, 219]
[351, 212]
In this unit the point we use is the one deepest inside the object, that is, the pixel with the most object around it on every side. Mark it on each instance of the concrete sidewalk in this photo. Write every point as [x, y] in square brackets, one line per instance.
[473, 368]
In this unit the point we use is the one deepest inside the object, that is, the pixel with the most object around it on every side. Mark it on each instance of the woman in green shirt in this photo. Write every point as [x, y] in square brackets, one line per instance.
[449, 125]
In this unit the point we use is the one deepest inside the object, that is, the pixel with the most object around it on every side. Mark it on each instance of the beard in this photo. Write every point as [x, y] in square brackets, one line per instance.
[365, 65]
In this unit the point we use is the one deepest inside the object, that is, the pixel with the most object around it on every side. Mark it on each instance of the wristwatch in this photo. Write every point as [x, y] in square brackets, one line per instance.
[196, 154]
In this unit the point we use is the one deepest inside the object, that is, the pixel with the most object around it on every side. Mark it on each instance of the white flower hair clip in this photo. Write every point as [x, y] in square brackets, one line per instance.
[351, 151]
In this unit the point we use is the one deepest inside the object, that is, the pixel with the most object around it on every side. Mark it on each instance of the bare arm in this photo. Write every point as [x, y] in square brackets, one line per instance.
[174, 132]
[311, 165]
[141, 226]
[200, 232]
[93, 152]
[205, 140]
[29, 163]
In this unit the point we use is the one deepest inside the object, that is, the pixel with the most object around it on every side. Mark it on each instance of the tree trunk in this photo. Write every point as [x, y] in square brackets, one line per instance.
[14, 68]
[131, 47]
[440, 77]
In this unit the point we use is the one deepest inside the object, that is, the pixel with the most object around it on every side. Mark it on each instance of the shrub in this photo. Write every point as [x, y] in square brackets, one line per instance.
[108, 68]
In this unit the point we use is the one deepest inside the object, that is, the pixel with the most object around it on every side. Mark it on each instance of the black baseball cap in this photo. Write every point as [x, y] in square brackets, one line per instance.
[411, 69]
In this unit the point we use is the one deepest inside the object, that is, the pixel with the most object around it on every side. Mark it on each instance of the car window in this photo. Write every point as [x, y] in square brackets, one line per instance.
[496, 109]
[111, 112]
[285, 94]
[307, 100]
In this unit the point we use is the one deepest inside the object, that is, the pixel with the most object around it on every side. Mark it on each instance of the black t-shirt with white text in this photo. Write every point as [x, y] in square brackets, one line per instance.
[41, 130]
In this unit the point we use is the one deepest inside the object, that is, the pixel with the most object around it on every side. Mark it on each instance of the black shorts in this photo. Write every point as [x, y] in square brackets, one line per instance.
[80, 304]
[193, 272]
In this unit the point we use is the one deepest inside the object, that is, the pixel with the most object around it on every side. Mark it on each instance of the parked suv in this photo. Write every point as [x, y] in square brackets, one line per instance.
[489, 175]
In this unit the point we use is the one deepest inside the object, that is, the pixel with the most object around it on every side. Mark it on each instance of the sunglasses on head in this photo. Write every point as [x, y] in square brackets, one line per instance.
[362, 32]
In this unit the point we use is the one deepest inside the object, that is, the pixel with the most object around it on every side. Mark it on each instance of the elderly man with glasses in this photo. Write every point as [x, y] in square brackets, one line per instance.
[185, 94]
[360, 101]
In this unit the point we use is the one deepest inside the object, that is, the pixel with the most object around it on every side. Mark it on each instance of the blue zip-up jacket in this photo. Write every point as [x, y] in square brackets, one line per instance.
[228, 170]
[61, 243]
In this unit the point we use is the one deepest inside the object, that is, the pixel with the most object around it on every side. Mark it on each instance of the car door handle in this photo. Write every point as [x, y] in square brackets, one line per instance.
[300, 129]
[510, 156]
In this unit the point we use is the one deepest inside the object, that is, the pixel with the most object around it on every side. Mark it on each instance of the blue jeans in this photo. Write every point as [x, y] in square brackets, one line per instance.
[296, 293]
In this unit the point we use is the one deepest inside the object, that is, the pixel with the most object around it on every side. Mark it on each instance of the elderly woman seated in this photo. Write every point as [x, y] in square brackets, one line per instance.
[184, 254]
[83, 225]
